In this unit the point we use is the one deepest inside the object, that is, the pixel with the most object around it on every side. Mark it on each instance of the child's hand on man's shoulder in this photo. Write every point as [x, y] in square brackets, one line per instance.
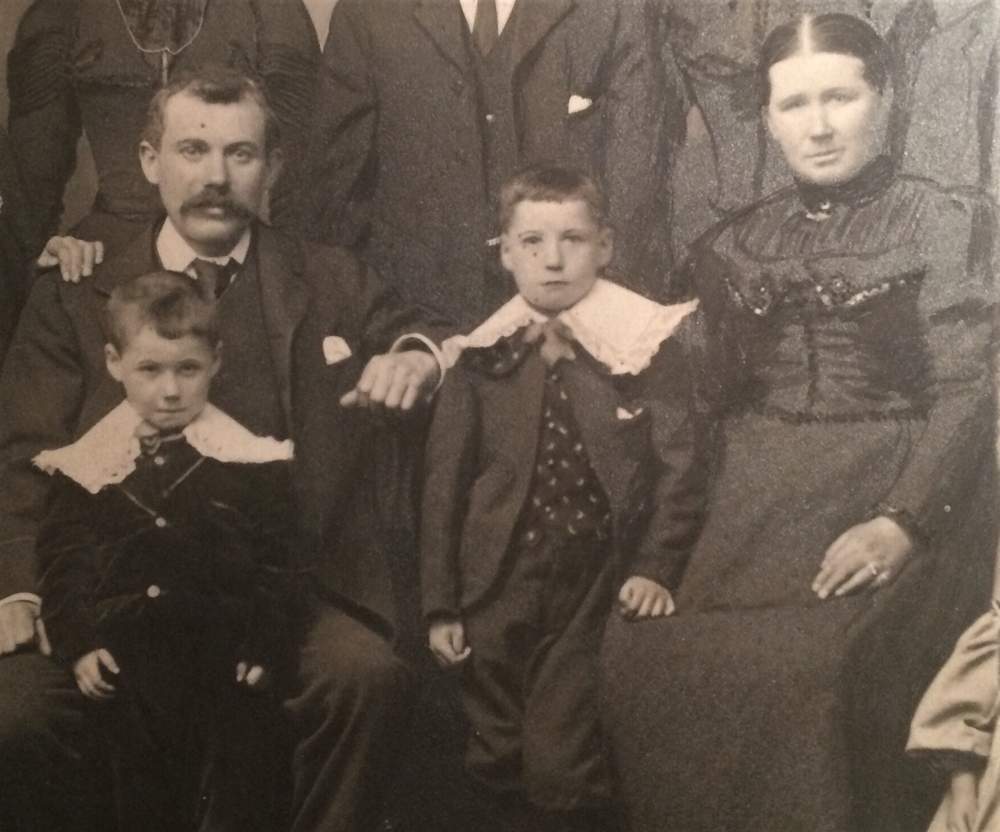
[644, 598]
[446, 639]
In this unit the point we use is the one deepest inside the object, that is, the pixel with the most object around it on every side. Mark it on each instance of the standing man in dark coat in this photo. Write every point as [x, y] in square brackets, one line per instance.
[306, 329]
[427, 106]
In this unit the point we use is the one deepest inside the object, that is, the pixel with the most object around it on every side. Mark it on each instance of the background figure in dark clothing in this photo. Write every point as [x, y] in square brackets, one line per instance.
[15, 242]
[94, 65]
[421, 118]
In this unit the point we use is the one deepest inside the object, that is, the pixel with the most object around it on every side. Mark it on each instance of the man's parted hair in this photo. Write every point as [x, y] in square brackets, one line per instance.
[213, 84]
[171, 303]
[551, 183]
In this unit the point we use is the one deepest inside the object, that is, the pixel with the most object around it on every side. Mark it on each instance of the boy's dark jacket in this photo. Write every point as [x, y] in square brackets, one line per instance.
[481, 454]
[185, 538]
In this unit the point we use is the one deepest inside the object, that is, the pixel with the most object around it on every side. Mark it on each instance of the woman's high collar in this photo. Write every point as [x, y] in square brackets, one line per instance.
[869, 183]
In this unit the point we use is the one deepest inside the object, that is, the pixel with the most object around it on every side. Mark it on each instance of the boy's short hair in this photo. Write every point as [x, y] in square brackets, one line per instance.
[171, 303]
[213, 84]
[551, 183]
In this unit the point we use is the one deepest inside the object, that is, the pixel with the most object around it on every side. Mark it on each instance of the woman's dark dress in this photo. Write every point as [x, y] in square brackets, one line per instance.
[849, 350]
[94, 65]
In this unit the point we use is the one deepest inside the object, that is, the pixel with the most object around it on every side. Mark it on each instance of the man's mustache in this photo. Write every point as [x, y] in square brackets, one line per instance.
[210, 199]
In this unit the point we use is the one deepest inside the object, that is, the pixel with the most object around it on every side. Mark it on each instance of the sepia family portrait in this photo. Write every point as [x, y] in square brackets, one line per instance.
[505, 415]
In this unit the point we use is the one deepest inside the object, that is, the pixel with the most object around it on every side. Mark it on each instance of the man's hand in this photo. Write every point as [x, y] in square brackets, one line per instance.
[21, 627]
[394, 381]
[89, 677]
[644, 598]
[75, 258]
[251, 675]
[447, 642]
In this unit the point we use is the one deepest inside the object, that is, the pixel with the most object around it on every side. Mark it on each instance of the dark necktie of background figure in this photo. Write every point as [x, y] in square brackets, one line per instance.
[485, 28]
[213, 277]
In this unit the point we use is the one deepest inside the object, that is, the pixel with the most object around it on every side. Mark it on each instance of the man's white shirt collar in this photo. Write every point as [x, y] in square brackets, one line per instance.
[504, 9]
[618, 327]
[176, 254]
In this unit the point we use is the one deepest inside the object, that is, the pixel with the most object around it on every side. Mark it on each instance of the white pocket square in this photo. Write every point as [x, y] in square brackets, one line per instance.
[577, 104]
[626, 415]
[335, 349]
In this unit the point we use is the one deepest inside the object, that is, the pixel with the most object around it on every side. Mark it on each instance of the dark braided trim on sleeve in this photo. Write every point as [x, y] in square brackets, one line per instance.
[39, 70]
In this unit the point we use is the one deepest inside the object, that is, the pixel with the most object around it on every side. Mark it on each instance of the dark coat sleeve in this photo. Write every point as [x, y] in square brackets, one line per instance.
[676, 502]
[280, 588]
[449, 471]
[44, 121]
[957, 310]
[43, 390]
[67, 566]
[342, 139]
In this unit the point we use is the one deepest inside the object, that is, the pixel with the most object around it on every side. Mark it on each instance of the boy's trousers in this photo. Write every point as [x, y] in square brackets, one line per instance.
[529, 687]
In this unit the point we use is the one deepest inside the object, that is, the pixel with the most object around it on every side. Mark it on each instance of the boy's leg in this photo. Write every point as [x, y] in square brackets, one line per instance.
[51, 775]
[566, 768]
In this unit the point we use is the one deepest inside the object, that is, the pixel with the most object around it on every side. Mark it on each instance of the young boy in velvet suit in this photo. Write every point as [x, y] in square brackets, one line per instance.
[164, 573]
[559, 470]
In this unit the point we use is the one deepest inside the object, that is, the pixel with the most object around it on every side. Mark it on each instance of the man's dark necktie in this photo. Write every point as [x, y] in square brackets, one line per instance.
[485, 28]
[214, 277]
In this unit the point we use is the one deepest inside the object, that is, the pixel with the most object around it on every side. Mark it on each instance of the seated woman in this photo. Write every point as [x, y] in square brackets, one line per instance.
[846, 364]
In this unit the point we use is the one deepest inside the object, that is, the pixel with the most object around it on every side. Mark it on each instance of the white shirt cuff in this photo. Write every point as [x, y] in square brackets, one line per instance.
[21, 596]
[399, 345]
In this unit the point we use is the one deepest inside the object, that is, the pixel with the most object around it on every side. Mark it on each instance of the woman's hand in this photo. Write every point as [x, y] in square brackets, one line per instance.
[644, 598]
[962, 802]
[868, 554]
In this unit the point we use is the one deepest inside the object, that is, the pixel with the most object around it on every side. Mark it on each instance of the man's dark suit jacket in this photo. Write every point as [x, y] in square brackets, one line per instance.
[398, 152]
[481, 455]
[55, 386]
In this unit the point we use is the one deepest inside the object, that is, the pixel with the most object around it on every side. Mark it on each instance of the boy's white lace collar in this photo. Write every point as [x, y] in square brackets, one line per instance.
[106, 454]
[621, 329]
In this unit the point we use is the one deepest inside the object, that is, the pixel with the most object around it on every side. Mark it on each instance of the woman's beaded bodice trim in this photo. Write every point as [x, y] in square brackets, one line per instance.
[851, 317]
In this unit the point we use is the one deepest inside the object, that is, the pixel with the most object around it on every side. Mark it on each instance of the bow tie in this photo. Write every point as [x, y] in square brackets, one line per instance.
[557, 341]
[213, 276]
[151, 438]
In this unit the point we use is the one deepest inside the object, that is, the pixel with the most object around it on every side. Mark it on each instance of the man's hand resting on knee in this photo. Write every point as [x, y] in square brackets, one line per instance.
[21, 628]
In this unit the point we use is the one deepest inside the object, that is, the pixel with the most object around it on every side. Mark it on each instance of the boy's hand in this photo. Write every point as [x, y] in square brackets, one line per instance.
[962, 802]
[89, 678]
[447, 642]
[644, 598]
[251, 675]
[395, 381]
[75, 258]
